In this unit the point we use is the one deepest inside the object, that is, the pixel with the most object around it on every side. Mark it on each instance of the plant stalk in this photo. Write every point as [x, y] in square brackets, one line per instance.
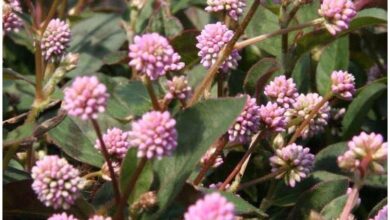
[149, 87]
[259, 180]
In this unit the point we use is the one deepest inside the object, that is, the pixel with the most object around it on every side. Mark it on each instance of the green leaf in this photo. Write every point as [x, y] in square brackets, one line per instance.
[21, 92]
[377, 207]
[164, 24]
[334, 57]
[333, 209]
[14, 172]
[144, 181]
[198, 127]
[302, 73]
[94, 38]
[359, 107]
[317, 197]
[103, 196]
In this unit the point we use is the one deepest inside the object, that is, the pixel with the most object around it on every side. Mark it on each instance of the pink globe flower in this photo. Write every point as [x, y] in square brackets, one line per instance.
[211, 207]
[151, 54]
[273, 117]
[99, 217]
[218, 161]
[211, 41]
[55, 39]
[56, 182]
[11, 21]
[62, 216]
[154, 134]
[302, 107]
[178, 88]
[234, 8]
[365, 146]
[381, 215]
[338, 14]
[85, 98]
[293, 163]
[282, 91]
[247, 123]
[116, 142]
[343, 84]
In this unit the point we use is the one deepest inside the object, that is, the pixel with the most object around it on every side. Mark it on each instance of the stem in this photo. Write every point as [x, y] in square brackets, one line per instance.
[107, 158]
[350, 203]
[234, 172]
[259, 180]
[237, 180]
[93, 174]
[148, 84]
[218, 150]
[224, 53]
[129, 189]
[263, 37]
[38, 72]
[309, 118]
[50, 15]
[265, 204]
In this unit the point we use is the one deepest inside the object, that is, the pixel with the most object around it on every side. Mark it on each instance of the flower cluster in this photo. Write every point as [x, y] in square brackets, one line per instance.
[218, 161]
[116, 142]
[11, 21]
[85, 98]
[343, 84]
[154, 134]
[152, 55]
[381, 215]
[234, 8]
[292, 163]
[55, 39]
[273, 117]
[282, 91]
[247, 123]
[178, 88]
[303, 106]
[56, 182]
[211, 41]
[338, 14]
[369, 148]
[62, 216]
[211, 207]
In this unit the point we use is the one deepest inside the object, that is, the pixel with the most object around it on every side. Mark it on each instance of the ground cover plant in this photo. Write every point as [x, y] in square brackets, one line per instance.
[194, 109]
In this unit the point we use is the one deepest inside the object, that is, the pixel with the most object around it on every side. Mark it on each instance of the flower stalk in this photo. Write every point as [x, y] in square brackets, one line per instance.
[149, 87]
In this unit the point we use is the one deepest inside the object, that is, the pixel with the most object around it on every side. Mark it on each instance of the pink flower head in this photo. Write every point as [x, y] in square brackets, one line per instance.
[211, 207]
[99, 217]
[178, 88]
[338, 14]
[293, 162]
[56, 182]
[365, 146]
[154, 134]
[282, 90]
[381, 215]
[11, 21]
[151, 54]
[55, 39]
[218, 161]
[343, 84]
[234, 8]
[247, 123]
[116, 142]
[62, 216]
[211, 41]
[273, 117]
[302, 107]
[85, 98]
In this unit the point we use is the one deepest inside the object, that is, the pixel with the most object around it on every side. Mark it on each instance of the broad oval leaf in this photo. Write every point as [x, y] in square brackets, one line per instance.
[333, 209]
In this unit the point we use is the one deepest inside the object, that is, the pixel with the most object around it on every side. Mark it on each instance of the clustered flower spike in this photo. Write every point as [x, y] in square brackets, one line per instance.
[381, 215]
[365, 147]
[343, 84]
[55, 39]
[273, 117]
[99, 217]
[154, 134]
[56, 182]
[282, 91]
[211, 41]
[338, 14]
[178, 88]
[234, 8]
[247, 123]
[302, 107]
[152, 55]
[62, 216]
[116, 142]
[11, 21]
[211, 207]
[293, 162]
[85, 98]
[218, 161]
